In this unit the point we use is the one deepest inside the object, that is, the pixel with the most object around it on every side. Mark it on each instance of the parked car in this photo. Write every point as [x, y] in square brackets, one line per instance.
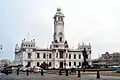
[23, 69]
[37, 70]
[118, 70]
[7, 69]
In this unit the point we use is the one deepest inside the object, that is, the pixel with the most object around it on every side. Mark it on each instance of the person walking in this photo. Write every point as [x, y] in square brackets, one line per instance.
[17, 71]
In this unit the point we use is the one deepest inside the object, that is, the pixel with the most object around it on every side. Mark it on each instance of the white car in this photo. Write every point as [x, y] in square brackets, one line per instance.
[37, 70]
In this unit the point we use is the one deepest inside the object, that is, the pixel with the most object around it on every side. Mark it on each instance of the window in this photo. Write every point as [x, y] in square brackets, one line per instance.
[60, 33]
[50, 56]
[69, 63]
[74, 63]
[79, 56]
[38, 55]
[56, 55]
[29, 55]
[79, 63]
[44, 56]
[38, 64]
[74, 56]
[69, 56]
[56, 45]
[29, 64]
[66, 55]
[61, 54]
[60, 39]
[49, 63]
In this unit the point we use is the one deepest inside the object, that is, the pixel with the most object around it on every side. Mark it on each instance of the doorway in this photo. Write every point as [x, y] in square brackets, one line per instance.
[61, 64]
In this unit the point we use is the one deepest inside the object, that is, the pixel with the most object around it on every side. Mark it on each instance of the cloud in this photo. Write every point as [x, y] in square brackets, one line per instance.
[95, 21]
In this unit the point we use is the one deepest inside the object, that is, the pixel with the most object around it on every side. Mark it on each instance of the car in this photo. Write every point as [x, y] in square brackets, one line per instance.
[23, 69]
[118, 70]
[7, 69]
[37, 70]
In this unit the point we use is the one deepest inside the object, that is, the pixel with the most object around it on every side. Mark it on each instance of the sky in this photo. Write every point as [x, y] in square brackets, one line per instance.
[94, 21]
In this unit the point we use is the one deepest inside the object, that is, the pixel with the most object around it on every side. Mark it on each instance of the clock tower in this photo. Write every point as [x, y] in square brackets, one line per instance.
[59, 27]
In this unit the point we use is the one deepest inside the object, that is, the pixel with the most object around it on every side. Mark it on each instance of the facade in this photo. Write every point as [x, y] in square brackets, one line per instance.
[107, 60]
[112, 59]
[4, 61]
[59, 55]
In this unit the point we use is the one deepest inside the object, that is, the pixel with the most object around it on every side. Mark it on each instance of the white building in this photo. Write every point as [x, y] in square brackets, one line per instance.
[58, 55]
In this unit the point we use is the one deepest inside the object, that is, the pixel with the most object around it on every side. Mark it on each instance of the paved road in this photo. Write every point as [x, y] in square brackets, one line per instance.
[52, 77]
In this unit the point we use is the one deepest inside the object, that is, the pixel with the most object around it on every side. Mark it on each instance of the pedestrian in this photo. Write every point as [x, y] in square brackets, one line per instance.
[27, 72]
[17, 71]
[6, 71]
[41, 72]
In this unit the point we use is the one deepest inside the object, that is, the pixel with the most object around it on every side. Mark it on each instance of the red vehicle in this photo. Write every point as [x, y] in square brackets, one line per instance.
[32, 69]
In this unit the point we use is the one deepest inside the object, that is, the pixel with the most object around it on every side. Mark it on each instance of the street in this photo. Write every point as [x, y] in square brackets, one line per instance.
[38, 76]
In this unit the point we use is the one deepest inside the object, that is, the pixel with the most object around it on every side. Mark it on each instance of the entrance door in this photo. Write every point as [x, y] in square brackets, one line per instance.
[61, 64]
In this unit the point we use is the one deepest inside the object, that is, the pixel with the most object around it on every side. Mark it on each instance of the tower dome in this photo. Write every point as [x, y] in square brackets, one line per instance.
[58, 9]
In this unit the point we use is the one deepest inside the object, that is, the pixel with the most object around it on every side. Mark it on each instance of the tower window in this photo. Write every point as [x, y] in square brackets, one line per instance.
[61, 54]
[66, 55]
[44, 56]
[38, 55]
[55, 41]
[29, 55]
[60, 33]
[60, 39]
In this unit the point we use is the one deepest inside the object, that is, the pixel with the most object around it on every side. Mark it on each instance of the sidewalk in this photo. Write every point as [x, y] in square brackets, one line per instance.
[54, 77]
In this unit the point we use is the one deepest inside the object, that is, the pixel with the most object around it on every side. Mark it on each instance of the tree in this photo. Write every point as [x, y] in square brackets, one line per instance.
[44, 65]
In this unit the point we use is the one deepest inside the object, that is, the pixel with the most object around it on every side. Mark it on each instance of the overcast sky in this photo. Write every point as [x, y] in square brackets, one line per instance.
[94, 21]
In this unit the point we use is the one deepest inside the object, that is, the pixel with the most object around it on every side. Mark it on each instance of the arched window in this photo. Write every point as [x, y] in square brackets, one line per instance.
[60, 39]
[61, 54]
[79, 56]
[69, 56]
[44, 55]
[49, 63]
[79, 63]
[74, 63]
[69, 63]
[50, 56]
[38, 55]
[74, 56]
[38, 64]
[29, 55]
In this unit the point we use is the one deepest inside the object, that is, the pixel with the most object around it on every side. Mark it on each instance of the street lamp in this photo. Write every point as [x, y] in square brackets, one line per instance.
[47, 57]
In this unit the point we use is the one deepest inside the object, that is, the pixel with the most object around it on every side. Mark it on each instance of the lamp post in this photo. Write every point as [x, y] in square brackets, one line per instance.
[47, 57]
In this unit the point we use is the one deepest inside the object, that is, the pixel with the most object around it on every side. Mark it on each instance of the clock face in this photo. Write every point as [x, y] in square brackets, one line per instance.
[60, 19]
